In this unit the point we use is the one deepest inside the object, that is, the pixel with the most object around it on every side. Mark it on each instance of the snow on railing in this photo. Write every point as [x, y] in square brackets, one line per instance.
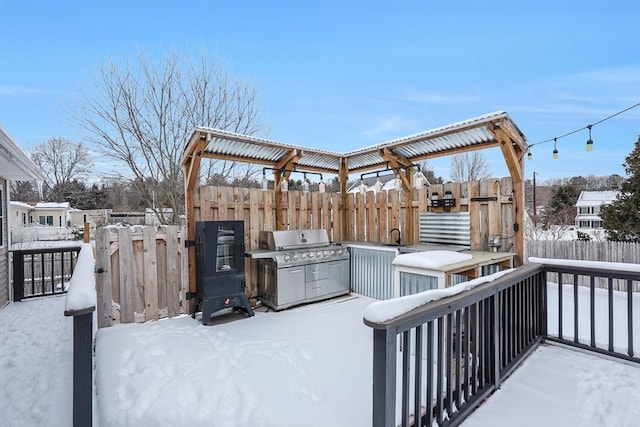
[81, 296]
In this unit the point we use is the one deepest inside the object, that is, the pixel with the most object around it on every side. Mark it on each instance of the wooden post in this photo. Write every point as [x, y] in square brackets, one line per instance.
[86, 232]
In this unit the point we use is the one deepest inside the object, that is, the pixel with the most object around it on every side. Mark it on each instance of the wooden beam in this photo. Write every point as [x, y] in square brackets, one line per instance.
[344, 174]
[513, 153]
[191, 161]
[403, 169]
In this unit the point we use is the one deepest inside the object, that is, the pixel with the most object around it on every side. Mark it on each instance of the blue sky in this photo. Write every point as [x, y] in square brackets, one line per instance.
[342, 75]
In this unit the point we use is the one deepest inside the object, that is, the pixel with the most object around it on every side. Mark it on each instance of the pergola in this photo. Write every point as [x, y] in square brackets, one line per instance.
[400, 155]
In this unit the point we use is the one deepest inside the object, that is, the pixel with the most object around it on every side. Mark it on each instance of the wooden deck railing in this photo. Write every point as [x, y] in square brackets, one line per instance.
[456, 351]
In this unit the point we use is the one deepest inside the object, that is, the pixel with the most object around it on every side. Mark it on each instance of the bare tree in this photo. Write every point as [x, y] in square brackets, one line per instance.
[469, 167]
[61, 161]
[24, 191]
[141, 115]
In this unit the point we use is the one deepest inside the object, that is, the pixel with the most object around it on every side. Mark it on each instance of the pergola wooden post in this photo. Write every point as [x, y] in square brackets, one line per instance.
[191, 162]
[513, 149]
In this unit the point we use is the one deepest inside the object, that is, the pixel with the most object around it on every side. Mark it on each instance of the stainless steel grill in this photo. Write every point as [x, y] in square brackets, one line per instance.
[300, 266]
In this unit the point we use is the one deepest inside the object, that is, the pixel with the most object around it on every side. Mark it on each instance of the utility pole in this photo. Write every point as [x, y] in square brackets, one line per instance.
[535, 209]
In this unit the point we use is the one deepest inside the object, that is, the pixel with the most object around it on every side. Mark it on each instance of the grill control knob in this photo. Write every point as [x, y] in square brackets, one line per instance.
[303, 256]
[333, 252]
[311, 255]
[294, 257]
[325, 253]
[287, 258]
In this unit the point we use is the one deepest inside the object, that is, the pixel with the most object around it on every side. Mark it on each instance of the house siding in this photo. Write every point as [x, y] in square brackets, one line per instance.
[4, 246]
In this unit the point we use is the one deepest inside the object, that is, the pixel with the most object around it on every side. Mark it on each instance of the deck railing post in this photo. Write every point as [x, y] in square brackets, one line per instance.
[82, 366]
[18, 275]
[384, 377]
[495, 319]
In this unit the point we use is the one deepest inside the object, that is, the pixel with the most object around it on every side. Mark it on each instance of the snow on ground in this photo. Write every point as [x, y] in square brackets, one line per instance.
[560, 387]
[36, 349]
[309, 366]
[306, 366]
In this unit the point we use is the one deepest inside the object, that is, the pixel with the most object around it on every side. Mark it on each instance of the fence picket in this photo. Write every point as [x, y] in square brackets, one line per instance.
[150, 275]
[125, 260]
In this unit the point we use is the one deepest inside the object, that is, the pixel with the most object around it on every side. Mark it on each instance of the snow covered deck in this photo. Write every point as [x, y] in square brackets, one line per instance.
[309, 366]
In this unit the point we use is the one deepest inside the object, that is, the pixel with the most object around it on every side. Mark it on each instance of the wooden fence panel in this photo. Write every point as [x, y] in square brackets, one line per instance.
[148, 269]
[623, 252]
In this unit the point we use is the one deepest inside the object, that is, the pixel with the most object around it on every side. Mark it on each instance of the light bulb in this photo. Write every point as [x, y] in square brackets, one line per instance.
[555, 154]
[321, 186]
[284, 185]
[397, 184]
[305, 186]
[265, 182]
[363, 188]
[378, 186]
[530, 155]
[589, 146]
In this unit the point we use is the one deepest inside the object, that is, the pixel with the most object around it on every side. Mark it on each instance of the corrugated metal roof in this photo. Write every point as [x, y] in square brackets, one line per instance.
[441, 141]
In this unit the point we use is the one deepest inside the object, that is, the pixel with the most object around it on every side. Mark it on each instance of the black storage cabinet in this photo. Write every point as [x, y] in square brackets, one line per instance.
[220, 281]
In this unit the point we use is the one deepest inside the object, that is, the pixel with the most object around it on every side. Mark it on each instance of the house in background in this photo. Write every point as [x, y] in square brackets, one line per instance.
[589, 205]
[15, 165]
[95, 217]
[41, 221]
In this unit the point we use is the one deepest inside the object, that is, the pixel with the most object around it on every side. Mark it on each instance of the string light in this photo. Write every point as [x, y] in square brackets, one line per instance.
[529, 155]
[589, 146]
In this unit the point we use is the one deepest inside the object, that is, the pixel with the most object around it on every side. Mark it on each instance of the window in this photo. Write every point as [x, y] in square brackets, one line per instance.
[45, 219]
[597, 224]
[24, 218]
[1, 217]
[587, 210]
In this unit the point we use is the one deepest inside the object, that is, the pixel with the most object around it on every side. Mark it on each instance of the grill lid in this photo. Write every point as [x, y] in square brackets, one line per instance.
[282, 240]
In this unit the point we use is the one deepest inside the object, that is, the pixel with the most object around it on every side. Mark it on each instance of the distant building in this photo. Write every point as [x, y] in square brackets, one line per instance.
[95, 217]
[40, 221]
[589, 206]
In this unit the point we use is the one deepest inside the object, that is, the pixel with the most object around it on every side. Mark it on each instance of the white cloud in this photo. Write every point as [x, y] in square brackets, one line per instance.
[386, 124]
[18, 90]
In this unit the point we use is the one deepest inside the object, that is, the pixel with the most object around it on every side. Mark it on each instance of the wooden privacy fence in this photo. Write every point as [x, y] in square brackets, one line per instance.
[370, 217]
[624, 252]
[141, 273]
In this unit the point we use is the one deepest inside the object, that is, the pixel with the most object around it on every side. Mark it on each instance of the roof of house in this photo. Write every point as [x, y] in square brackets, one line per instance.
[15, 165]
[52, 205]
[20, 204]
[596, 198]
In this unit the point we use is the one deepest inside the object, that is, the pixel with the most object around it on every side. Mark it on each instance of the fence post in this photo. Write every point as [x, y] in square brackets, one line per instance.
[384, 377]
[18, 276]
[82, 366]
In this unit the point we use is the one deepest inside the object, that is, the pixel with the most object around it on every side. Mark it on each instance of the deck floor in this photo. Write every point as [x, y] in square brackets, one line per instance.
[308, 366]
